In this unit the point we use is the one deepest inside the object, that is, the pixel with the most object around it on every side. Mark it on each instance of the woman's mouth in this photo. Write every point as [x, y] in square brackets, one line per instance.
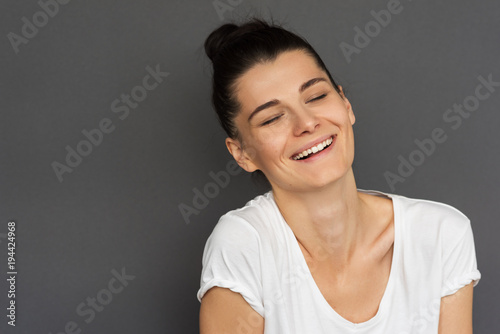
[313, 150]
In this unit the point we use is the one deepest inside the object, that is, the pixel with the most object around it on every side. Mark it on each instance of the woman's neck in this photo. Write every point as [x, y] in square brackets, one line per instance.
[326, 222]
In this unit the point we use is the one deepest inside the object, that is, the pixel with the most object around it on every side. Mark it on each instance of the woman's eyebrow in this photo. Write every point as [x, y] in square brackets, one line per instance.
[275, 102]
[266, 105]
[309, 83]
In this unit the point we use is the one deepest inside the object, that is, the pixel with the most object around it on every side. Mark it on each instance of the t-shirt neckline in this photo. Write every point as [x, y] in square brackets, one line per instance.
[383, 306]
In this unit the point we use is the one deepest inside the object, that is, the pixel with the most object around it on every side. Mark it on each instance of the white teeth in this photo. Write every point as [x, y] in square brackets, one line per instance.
[314, 149]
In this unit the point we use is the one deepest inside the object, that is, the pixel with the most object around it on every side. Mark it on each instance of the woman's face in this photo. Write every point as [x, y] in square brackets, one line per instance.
[289, 112]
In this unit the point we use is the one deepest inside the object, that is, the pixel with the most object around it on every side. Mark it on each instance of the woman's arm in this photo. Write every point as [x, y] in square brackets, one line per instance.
[224, 311]
[456, 312]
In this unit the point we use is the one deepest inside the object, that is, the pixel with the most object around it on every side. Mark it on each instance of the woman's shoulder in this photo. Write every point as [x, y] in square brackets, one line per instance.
[445, 218]
[255, 218]
[254, 208]
[427, 216]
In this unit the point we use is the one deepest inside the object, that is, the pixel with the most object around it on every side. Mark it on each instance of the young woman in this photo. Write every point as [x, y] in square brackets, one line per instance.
[315, 254]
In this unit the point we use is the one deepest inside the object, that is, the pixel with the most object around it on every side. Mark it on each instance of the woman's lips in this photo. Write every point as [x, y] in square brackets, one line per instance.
[311, 151]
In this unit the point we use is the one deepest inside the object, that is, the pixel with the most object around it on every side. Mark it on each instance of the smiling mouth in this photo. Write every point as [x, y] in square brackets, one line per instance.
[313, 150]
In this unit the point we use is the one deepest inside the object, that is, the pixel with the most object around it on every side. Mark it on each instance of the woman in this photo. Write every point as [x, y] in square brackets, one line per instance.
[315, 254]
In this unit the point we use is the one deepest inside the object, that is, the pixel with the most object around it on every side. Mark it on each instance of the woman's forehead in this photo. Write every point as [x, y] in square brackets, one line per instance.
[288, 71]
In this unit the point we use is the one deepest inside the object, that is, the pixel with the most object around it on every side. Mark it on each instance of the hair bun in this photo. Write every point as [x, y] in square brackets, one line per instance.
[216, 41]
[228, 33]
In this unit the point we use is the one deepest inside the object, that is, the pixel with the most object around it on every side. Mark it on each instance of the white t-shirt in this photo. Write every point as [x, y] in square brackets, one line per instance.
[253, 251]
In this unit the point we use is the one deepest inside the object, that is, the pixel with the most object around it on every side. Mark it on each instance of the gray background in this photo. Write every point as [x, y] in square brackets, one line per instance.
[119, 208]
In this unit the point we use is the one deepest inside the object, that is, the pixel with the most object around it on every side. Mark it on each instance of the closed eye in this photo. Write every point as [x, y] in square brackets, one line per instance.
[317, 98]
[271, 120]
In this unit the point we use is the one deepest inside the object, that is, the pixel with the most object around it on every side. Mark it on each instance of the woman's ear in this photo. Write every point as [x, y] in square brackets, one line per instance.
[242, 155]
[348, 106]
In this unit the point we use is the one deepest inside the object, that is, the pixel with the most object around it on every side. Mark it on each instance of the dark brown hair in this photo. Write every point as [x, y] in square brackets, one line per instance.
[234, 50]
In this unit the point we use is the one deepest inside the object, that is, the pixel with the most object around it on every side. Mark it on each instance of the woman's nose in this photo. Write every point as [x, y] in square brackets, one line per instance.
[304, 121]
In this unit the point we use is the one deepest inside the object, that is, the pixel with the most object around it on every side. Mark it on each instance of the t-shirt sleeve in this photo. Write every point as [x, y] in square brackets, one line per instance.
[231, 260]
[459, 256]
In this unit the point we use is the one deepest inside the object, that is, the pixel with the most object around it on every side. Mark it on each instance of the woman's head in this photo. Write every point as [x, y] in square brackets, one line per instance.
[265, 70]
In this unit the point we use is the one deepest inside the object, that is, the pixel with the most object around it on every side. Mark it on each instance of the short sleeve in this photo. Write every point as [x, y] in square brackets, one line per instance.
[459, 256]
[231, 260]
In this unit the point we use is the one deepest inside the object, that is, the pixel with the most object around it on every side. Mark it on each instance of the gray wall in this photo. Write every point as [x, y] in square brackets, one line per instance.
[117, 210]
